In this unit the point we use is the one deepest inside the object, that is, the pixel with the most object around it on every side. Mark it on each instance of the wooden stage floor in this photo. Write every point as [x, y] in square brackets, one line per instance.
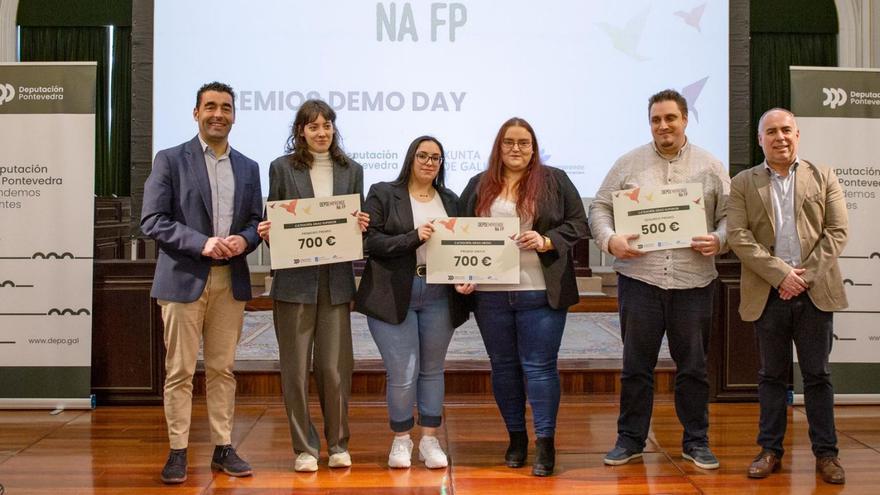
[120, 450]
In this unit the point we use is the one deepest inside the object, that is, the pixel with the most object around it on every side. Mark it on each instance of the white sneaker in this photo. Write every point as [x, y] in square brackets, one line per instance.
[401, 452]
[340, 460]
[431, 453]
[305, 463]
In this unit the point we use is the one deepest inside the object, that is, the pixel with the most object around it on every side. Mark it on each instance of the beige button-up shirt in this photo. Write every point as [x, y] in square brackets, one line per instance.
[645, 167]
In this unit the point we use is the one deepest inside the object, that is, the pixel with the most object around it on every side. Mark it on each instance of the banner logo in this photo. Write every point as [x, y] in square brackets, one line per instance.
[7, 93]
[834, 97]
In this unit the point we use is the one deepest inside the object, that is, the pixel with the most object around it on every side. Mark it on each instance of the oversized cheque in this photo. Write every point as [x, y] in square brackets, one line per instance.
[473, 250]
[315, 231]
[666, 217]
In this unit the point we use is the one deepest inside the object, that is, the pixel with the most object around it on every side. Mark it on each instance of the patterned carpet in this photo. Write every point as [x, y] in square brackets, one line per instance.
[587, 336]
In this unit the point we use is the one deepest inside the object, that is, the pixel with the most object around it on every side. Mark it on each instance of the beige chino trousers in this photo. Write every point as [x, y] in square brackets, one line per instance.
[216, 317]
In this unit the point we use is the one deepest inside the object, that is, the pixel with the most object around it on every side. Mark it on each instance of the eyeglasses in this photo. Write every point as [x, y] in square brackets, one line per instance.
[425, 158]
[522, 144]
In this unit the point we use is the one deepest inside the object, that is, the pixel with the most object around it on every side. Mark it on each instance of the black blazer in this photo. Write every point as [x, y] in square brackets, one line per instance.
[562, 219]
[300, 285]
[390, 244]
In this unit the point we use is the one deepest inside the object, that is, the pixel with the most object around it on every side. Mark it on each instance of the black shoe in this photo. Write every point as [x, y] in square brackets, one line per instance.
[225, 459]
[517, 450]
[174, 471]
[545, 457]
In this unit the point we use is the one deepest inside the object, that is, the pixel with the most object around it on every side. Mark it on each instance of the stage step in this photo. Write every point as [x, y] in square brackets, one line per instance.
[590, 302]
[594, 376]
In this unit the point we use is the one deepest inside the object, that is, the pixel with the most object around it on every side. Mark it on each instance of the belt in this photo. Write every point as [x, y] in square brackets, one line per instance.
[219, 262]
[421, 271]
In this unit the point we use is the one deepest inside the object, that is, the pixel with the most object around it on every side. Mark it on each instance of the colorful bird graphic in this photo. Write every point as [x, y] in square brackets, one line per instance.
[634, 194]
[545, 156]
[626, 39]
[693, 17]
[449, 224]
[697, 201]
[290, 207]
[691, 92]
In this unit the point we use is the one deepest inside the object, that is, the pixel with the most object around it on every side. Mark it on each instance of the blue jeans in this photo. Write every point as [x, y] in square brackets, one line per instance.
[782, 322]
[685, 316]
[522, 334]
[414, 352]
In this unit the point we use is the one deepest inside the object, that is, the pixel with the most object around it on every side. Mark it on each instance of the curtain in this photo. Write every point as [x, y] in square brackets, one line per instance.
[120, 124]
[77, 44]
[771, 56]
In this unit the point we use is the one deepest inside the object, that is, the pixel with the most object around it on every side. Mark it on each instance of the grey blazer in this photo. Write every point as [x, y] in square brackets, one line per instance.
[300, 285]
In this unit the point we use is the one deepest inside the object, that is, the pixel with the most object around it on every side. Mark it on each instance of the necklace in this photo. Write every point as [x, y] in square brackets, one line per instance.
[422, 196]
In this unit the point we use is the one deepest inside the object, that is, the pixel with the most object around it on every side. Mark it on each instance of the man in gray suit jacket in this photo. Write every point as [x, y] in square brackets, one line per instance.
[202, 204]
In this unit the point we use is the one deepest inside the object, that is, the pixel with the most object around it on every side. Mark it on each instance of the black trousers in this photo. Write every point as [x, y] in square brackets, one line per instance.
[684, 315]
[811, 329]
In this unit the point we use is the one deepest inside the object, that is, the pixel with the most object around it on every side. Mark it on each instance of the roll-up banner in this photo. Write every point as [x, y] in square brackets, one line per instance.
[47, 175]
[838, 113]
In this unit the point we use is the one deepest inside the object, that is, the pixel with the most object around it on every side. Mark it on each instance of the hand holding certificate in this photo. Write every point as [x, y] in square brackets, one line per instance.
[473, 250]
[666, 217]
[315, 231]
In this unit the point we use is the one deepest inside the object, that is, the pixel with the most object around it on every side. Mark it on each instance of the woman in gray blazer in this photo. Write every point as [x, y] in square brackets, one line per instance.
[311, 305]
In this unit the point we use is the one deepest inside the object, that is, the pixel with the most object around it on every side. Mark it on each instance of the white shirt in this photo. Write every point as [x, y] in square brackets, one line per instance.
[425, 212]
[531, 277]
[321, 175]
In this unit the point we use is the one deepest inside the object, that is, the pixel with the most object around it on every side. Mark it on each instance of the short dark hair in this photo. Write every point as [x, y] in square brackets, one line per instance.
[215, 86]
[669, 95]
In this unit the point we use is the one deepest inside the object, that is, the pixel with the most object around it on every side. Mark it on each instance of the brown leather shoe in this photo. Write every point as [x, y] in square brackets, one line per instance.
[830, 470]
[765, 463]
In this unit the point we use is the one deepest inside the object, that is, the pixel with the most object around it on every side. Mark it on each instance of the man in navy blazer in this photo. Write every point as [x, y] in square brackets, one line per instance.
[202, 204]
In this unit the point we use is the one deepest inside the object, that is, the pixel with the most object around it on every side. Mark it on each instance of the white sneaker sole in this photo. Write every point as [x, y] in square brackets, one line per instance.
[434, 465]
[714, 465]
[306, 467]
[399, 464]
[620, 462]
[339, 461]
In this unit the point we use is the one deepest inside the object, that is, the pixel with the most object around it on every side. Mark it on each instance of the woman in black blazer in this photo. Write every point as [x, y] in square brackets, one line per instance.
[522, 324]
[411, 321]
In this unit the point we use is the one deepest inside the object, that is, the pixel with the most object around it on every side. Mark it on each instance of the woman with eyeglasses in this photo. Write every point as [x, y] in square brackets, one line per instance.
[411, 321]
[522, 324]
[311, 305]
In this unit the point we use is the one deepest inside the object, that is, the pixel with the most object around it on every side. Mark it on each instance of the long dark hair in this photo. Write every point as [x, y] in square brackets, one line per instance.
[409, 160]
[300, 156]
[534, 187]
